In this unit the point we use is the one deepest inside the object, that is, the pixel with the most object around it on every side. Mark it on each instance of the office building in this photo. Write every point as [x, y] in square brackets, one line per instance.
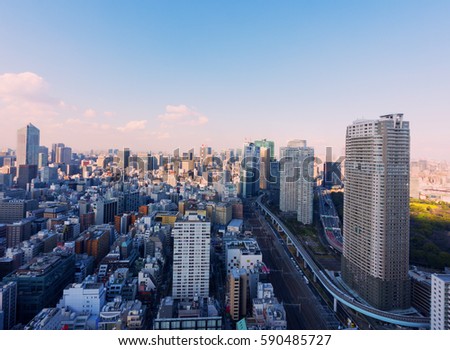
[264, 168]
[95, 242]
[27, 172]
[124, 158]
[13, 210]
[64, 155]
[105, 210]
[205, 152]
[27, 145]
[267, 144]
[197, 313]
[274, 183]
[86, 297]
[127, 201]
[42, 156]
[40, 283]
[421, 291]
[48, 174]
[440, 302]
[18, 232]
[238, 293]
[375, 260]
[191, 252]
[332, 172]
[8, 304]
[223, 213]
[54, 152]
[249, 170]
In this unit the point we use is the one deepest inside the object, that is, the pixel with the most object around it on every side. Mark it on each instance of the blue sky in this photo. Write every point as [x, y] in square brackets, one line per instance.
[156, 75]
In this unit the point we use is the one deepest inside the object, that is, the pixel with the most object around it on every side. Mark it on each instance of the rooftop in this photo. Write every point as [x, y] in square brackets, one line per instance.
[38, 266]
[442, 277]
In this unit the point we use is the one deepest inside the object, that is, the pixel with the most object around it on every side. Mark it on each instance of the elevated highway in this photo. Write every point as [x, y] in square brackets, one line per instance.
[338, 294]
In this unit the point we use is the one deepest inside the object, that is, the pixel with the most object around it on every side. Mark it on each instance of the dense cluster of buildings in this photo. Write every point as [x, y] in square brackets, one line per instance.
[125, 240]
[430, 180]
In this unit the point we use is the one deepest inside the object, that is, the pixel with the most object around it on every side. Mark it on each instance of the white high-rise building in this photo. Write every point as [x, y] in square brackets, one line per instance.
[296, 180]
[27, 145]
[375, 260]
[191, 252]
[440, 302]
[86, 297]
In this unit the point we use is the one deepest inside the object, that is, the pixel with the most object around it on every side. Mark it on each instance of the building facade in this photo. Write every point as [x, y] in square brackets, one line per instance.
[86, 297]
[40, 283]
[8, 304]
[296, 180]
[375, 260]
[191, 252]
[249, 170]
[440, 302]
[28, 145]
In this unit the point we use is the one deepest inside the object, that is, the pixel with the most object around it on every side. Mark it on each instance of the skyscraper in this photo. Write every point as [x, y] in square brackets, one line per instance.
[63, 155]
[55, 147]
[28, 145]
[264, 169]
[42, 156]
[205, 152]
[375, 259]
[250, 170]
[191, 250]
[267, 144]
[124, 158]
[27, 173]
[296, 185]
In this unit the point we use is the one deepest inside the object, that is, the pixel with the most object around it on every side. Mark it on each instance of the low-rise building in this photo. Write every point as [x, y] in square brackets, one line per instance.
[86, 297]
[197, 313]
[242, 253]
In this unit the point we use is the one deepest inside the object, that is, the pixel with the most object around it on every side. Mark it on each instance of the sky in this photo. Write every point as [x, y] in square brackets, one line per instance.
[157, 75]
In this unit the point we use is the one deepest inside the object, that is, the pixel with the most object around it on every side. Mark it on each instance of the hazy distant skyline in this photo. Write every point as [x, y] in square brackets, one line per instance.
[157, 75]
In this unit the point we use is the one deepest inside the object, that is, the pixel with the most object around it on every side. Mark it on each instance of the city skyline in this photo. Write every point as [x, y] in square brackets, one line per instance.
[224, 165]
[157, 76]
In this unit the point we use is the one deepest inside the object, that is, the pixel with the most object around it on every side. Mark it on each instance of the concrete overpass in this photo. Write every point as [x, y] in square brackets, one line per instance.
[338, 294]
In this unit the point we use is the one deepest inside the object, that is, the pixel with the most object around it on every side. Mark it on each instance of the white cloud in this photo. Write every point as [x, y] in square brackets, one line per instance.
[160, 135]
[26, 98]
[90, 113]
[182, 115]
[109, 114]
[133, 125]
[27, 83]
